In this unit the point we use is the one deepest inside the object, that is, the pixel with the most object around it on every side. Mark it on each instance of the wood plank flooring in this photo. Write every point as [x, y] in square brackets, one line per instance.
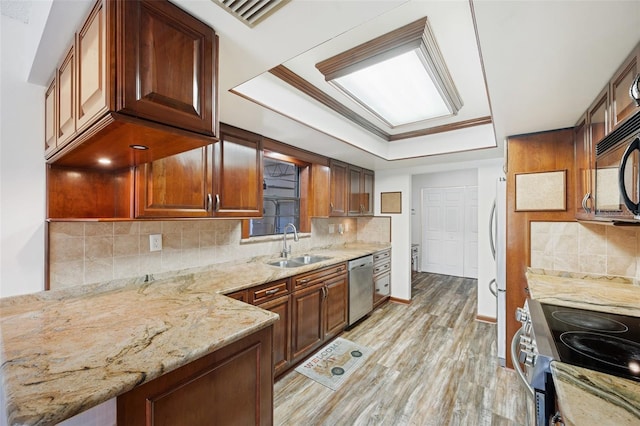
[433, 364]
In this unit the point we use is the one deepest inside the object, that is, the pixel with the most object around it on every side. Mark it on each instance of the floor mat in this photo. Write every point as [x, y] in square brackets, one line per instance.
[334, 363]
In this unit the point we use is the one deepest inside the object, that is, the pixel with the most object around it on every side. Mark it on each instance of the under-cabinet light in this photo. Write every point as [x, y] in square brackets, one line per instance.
[104, 161]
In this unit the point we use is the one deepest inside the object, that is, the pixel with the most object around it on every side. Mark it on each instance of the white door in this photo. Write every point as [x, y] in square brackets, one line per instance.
[443, 230]
[471, 232]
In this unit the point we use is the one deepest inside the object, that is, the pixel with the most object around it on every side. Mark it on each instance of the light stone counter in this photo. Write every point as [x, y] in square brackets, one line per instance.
[587, 396]
[65, 351]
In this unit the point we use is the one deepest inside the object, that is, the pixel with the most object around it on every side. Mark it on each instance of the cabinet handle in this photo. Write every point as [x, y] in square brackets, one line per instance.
[209, 202]
[325, 292]
[331, 207]
[304, 281]
[340, 269]
[272, 291]
[217, 206]
[586, 202]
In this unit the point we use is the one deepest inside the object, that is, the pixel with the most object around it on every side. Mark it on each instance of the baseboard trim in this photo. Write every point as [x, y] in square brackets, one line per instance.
[483, 318]
[400, 301]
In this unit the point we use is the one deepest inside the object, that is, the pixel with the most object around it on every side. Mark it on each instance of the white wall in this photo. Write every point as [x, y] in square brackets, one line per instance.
[390, 181]
[22, 167]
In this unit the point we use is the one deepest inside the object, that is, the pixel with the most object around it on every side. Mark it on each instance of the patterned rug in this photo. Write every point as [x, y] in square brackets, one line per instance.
[333, 364]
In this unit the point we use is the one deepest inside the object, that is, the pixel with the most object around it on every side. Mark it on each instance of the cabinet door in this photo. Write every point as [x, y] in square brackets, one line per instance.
[622, 105]
[367, 192]
[50, 110]
[584, 170]
[238, 174]
[306, 320]
[169, 66]
[597, 117]
[339, 189]
[281, 332]
[92, 68]
[336, 310]
[355, 191]
[66, 116]
[175, 186]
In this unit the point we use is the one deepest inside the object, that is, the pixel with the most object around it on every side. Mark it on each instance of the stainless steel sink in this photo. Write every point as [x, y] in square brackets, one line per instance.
[289, 263]
[296, 262]
[309, 259]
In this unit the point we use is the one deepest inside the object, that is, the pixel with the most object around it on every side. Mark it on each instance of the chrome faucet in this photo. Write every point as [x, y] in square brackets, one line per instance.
[287, 251]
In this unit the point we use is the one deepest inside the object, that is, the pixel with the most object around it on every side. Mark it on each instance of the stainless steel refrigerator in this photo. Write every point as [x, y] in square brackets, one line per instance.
[498, 285]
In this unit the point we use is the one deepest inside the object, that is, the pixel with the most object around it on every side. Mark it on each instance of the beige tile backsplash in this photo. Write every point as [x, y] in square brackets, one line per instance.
[587, 248]
[88, 252]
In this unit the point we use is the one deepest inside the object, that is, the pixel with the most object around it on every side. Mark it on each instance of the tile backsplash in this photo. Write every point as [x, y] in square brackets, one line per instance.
[586, 248]
[89, 252]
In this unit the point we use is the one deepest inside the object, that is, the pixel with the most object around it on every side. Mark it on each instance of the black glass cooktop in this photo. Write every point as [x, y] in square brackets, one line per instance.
[600, 341]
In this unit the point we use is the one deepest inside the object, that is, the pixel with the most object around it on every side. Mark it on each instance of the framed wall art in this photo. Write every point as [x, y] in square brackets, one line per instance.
[544, 191]
[391, 202]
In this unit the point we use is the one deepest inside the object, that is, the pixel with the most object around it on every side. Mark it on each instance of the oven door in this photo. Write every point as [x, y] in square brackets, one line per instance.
[616, 181]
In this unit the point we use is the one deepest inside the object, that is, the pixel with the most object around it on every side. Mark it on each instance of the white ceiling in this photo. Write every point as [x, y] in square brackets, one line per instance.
[544, 61]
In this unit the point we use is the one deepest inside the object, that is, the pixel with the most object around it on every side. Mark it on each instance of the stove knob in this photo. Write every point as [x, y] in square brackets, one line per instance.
[522, 315]
[525, 340]
[530, 360]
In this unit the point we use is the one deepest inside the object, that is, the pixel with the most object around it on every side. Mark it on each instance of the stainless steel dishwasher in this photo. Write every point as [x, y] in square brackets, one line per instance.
[360, 288]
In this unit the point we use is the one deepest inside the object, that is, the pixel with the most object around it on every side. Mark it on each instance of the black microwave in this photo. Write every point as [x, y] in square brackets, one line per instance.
[617, 177]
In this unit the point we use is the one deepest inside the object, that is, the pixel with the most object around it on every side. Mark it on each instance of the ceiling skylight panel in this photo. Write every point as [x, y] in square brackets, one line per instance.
[400, 77]
[398, 90]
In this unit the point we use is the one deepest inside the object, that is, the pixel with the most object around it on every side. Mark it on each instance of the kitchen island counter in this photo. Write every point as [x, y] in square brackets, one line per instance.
[65, 351]
[587, 396]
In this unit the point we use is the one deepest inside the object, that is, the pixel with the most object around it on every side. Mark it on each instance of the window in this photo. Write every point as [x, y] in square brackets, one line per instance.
[400, 77]
[281, 192]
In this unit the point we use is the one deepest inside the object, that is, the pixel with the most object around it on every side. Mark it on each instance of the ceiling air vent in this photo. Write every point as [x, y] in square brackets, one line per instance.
[251, 12]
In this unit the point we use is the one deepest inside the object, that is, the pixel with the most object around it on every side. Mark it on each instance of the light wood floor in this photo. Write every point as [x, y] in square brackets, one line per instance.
[433, 364]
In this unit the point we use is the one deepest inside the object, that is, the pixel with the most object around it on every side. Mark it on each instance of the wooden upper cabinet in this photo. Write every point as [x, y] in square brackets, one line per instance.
[175, 186]
[140, 72]
[91, 55]
[168, 62]
[583, 159]
[50, 121]
[339, 189]
[622, 105]
[360, 191]
[237, 180]
[66, 116]
[598, 117]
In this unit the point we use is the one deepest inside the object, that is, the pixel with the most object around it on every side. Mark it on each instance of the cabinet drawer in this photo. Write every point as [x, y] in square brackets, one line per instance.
[381, 256]
[382, 285]
[381, 267]
[268, 291]
[240, 295]
[305, 280]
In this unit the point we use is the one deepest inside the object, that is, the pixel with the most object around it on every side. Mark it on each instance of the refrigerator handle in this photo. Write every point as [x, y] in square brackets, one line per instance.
[492, 230]
[493, 287]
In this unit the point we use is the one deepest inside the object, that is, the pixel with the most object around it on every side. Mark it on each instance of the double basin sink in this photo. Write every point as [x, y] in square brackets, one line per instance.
[296, 262]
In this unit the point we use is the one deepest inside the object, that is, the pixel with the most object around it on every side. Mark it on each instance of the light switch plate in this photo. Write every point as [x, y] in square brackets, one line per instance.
[155, 242]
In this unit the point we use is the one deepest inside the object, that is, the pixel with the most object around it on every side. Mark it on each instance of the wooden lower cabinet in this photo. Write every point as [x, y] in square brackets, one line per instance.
[307, 325]
[281, 333]
[336, 306]
[319, 306]
[231, 386]
[381, 277]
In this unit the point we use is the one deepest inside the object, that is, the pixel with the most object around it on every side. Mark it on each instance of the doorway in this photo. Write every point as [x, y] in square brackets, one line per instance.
[450, 231]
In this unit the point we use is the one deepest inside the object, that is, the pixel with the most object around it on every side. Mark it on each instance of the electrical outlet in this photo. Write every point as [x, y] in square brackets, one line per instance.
[155, 242]
[332, 228]
[340, 229]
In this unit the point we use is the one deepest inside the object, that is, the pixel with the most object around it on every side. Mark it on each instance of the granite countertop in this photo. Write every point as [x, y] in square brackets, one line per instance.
[587, 396]
[65, 351]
